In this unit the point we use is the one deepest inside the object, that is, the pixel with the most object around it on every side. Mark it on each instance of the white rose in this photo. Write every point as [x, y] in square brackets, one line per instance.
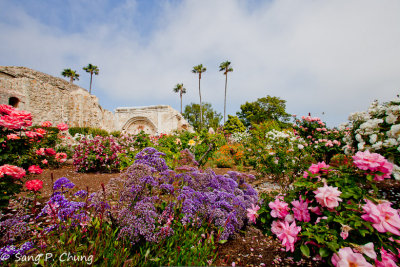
[361, 146]
[373, 138]
[396, 172]
[377, 145]
[394, 131]
[359, 138]
[391, 118]
[300, 147]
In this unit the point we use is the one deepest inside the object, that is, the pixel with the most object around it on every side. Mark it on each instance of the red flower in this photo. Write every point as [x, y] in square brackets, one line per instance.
[35, 169]
[34, 185]
[46, 124]
[49, 152]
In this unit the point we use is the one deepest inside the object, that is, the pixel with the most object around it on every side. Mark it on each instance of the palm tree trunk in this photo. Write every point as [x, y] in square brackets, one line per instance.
[226, 82]
[90, 88]
[71, 80]
[201, 110]
[181, 102]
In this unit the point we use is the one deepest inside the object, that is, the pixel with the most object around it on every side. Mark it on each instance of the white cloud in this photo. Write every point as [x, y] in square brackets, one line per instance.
[320, 56]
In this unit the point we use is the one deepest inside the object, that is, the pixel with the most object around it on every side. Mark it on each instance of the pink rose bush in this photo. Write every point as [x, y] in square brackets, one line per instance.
[333, 224]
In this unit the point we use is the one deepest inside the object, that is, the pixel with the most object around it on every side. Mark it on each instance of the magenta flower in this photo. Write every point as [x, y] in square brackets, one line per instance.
[388, 259]
[383, 217]
[252, 213]
[279, 209]
[346, 257]
[328, 196]
[319, 167]
[373, 162]
[288, 235]
[300, 210]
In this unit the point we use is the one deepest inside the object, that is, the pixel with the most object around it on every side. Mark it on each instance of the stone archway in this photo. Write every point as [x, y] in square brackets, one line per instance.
[137, 124]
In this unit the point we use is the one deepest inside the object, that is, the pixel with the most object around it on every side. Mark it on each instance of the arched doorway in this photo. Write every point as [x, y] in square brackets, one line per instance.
[137, 124]
[13, 101]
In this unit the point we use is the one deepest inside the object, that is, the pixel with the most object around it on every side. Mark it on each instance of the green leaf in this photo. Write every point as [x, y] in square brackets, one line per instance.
[222, 241]
[305, 250]
[324, 252]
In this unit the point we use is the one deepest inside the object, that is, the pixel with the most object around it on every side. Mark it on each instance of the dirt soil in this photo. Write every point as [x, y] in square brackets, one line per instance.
[249, 247]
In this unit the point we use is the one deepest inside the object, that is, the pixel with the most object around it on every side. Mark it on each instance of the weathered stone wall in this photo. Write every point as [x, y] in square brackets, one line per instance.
[52, 99]
[151, 119]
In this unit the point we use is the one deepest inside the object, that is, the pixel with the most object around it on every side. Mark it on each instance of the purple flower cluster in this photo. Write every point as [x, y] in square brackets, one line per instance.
[14, 228]
[62, 209]
[201, 197]
[63, 182]
[151, 157]
[11, 250]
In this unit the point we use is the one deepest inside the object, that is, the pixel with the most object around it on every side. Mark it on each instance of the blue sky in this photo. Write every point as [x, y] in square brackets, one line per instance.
[334, 57]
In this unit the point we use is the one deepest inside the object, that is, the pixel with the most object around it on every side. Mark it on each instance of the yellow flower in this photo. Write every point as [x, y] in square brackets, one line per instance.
[191, 142]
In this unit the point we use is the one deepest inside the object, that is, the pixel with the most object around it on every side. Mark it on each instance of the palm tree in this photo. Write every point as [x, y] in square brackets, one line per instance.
[181, 90]
[92, 69]
[200, 69]
[225, 67]
[72, 74]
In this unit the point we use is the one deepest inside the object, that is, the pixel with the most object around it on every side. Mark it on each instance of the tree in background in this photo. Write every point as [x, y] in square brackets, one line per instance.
[225, 67]
[92, 69]
[72, 74]
[211, 117]
[199, 69]
[234, 125]
[268, 108]
[181, 90]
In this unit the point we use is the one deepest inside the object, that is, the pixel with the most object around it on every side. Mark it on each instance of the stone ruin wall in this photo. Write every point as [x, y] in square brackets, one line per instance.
[151, 119]
[53, 99]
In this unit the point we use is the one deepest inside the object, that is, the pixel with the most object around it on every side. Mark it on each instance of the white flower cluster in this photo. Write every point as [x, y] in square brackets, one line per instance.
[376, 130]
[239, 137]
[285, 136]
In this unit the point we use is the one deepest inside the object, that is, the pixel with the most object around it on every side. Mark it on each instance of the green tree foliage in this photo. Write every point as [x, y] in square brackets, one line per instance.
[72, 74]
[92, 69]
[233, 125]
[211, 118]
[264, 109]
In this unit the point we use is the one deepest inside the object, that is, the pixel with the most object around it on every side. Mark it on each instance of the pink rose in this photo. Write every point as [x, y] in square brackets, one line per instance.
[383, 217]
[13, 171]
[62, 126]
[279, 209]
[49, 152]
[12, 137]
[34, 185]
[61, 157]
[388, 259]
[374, 163]
[346, 257]
[46, 124]
[288, 234]
[40, 152]
[252, 213]
[328, 196]
[35, 169]
[300, 210]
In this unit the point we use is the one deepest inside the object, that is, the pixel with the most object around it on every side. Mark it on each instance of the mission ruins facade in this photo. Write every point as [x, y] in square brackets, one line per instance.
[53, 99]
